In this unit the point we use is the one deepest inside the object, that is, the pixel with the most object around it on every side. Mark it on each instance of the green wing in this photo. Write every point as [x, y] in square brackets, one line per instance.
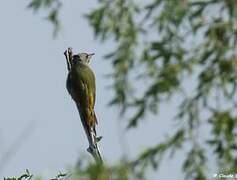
[81, 86]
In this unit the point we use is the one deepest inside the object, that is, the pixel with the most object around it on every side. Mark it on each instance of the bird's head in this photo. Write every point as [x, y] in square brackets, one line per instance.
[83, 57]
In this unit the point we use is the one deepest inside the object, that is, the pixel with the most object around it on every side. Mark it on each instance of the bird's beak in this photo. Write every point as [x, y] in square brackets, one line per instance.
[92, 54]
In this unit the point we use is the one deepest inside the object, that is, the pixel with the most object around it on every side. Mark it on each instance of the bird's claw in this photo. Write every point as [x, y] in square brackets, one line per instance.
[89, 150]
[99, 138]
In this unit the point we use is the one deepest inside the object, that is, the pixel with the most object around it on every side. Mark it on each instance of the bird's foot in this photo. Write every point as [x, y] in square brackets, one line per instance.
[94, 151]
[99, 138]
[89, 149]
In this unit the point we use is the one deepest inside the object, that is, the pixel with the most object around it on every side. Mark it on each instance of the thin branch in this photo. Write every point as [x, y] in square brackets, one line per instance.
[68, 55]
[16, 144]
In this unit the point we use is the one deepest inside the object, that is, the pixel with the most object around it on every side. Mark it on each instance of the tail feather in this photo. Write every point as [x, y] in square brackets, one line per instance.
[91, 136]
[95, 119]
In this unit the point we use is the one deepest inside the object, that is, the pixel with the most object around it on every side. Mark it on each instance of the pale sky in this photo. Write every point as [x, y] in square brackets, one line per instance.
[33, 74]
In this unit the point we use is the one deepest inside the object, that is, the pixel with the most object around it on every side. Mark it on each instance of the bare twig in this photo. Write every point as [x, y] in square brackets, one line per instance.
[94, 149]
[68, 54]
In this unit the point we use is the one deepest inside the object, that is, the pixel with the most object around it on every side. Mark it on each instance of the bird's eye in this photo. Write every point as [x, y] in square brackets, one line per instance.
[87, 56]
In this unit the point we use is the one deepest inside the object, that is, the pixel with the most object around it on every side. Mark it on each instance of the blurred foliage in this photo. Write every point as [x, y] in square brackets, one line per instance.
[87, 170]
[52, 7]
[25, 176]
[166, 49]
[99, 171]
